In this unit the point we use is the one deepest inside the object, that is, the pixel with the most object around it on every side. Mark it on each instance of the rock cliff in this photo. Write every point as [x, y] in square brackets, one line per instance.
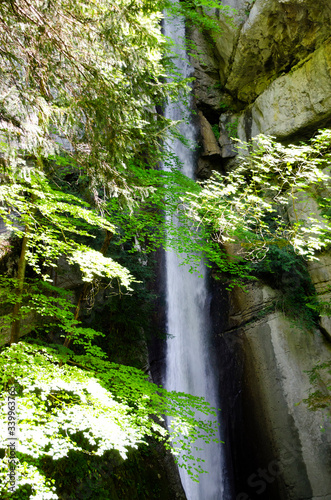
[270, 73]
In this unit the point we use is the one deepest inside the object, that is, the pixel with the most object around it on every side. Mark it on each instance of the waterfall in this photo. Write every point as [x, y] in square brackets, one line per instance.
[189, 366]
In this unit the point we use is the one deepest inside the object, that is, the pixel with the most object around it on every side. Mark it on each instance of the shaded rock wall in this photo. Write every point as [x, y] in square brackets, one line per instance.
[280, 450]
[269, 73]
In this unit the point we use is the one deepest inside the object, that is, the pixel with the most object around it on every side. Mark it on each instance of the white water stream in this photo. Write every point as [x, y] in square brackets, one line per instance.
[188, 361]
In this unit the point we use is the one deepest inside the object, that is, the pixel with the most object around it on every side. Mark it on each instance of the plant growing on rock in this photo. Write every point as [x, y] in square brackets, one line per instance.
[262, 202]
[319, 398]
[232, 129]
[216, 131]
[197, 12]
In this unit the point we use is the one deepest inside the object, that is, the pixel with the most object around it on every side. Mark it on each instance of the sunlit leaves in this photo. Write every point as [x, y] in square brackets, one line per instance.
[271, 197]
[52, 220]
[93, 264]
[111, 406]
[198, 13]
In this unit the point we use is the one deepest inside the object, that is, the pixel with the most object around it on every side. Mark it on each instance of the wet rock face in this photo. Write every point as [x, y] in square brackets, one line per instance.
[206, 84]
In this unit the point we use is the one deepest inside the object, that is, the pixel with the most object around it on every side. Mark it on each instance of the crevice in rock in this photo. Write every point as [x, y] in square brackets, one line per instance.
[325, 333]
[234, 50]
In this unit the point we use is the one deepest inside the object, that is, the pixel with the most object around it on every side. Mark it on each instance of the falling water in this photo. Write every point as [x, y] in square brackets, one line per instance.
[189, 367]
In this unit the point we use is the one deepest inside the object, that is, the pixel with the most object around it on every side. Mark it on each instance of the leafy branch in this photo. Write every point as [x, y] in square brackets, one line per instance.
[113, 407]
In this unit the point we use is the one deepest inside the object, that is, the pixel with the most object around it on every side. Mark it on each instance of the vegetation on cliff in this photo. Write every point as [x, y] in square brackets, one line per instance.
[274, 197]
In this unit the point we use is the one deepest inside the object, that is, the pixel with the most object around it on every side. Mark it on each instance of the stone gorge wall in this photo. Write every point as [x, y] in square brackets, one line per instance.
[271, 74]
[273, 67]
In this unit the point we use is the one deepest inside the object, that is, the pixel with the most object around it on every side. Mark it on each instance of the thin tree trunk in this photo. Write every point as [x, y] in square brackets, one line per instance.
[106, 242]
[68, 340]
[15, 326]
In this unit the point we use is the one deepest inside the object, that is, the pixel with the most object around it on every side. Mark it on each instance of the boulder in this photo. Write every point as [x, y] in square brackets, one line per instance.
[209, 142]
